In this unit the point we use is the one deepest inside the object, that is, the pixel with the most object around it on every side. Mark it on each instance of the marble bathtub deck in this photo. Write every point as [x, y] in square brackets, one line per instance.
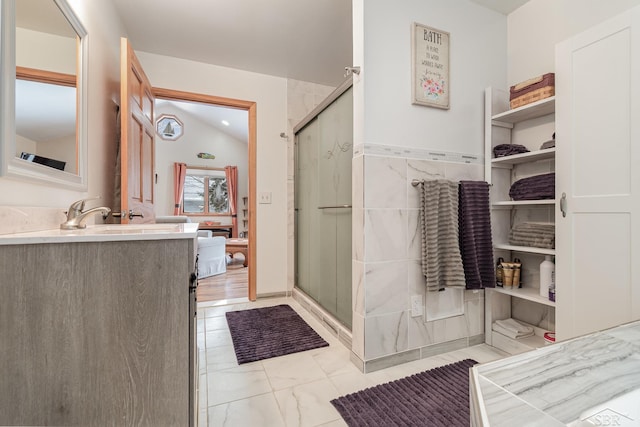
[292, 390]
[591, 380]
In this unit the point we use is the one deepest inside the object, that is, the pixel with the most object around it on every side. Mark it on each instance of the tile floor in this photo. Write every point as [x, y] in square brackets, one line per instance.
[292, 390]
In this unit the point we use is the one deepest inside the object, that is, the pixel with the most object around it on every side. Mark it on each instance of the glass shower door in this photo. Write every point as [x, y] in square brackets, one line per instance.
[323, 208]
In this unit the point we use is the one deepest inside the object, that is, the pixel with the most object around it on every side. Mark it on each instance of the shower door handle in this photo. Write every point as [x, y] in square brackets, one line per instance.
[335, 207]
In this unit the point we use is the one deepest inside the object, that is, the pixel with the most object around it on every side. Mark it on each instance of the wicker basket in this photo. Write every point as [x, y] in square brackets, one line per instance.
[532, 90]
[533, 96]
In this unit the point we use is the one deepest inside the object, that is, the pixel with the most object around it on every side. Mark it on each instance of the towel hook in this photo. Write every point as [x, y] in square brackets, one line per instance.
[416, 182]
[351, 70]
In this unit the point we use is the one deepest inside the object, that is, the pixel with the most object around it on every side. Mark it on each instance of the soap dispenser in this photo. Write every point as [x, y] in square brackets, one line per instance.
[547, 271]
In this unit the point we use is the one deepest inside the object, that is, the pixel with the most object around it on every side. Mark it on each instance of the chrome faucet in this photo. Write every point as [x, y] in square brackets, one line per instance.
[76, 214]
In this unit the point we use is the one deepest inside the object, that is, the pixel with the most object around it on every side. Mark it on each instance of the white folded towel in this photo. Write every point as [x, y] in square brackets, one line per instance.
[509, 333]
[512, 328]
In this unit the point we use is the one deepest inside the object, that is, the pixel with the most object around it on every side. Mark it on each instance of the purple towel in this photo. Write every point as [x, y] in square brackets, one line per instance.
[474, 233]
[538, 187]
[502, 150]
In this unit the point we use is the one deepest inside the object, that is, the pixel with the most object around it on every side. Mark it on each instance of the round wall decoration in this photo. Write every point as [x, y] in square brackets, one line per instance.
[169, 127]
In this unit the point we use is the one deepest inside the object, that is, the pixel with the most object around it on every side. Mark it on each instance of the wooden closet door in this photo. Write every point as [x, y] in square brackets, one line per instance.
[598, 177]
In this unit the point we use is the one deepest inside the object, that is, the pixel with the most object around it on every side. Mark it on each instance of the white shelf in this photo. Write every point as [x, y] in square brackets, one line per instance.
[532, 156]
[516, 346]
[525, 249]
[512, 203]
[527, 112]
[529, 294]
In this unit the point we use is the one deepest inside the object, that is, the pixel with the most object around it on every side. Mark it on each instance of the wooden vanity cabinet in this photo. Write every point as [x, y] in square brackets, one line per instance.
[97, 333]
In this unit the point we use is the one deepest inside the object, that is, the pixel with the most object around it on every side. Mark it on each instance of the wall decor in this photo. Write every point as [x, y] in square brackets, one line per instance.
[169, 127]
[205, 156]
[430, 66]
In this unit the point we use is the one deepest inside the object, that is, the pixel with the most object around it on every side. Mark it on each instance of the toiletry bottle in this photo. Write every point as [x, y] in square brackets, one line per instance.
[547, 270]
[499, 272]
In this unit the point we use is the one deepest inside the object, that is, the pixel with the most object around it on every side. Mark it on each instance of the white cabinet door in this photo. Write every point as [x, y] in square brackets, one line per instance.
[598, 175]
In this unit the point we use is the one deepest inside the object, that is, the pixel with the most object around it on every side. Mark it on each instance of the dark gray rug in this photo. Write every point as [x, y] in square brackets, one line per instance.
[261, 333]
[435, 398]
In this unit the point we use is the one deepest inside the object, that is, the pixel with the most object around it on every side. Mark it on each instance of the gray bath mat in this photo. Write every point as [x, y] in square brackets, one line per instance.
[435, 398]
[261, 333]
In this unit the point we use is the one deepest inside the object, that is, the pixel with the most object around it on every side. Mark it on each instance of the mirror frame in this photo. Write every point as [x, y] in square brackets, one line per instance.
[10, 165]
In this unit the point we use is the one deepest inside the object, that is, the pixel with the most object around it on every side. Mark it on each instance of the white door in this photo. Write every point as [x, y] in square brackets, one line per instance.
[598, 177]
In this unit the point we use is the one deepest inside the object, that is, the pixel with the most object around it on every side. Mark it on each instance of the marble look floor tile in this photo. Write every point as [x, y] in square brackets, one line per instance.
[215, 323]
[220, 358]
[217, 311]
[352, 382]
[200, 340]
[236, 383]
[335, 361]
[336, 423]
[259, 410]
[202, 391]
[202, 418]
[308, 404]
[292, 370]
[218, 338]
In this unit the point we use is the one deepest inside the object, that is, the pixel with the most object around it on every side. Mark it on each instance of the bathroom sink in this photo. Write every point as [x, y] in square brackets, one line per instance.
[108, 232]
[135, 228]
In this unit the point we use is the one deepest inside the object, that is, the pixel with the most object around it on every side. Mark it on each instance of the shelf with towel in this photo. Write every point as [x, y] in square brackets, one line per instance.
[530, 294]
[526, 249]
[519, 345]
[510, 204]
[531, 156]
[526, 112]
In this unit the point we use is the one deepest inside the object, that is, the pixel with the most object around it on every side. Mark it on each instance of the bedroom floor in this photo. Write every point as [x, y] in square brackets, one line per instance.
[292, 390]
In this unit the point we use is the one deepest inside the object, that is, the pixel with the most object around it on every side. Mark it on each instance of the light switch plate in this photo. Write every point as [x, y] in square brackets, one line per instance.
[416, 306]
[265, 197]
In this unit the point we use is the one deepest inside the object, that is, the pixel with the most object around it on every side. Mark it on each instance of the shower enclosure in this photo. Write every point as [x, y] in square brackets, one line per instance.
[324, 149]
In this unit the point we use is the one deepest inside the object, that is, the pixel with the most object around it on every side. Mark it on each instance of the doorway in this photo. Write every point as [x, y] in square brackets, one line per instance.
[241, 279]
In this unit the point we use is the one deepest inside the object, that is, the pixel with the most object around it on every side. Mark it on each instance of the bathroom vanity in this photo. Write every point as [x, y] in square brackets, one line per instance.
[97, 326]
[588, 381]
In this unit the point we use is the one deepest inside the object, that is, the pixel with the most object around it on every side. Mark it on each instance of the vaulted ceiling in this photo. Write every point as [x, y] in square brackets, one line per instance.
[308, 40]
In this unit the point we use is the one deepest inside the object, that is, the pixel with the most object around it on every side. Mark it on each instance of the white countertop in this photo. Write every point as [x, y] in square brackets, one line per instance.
[588, 381]
[104, 233]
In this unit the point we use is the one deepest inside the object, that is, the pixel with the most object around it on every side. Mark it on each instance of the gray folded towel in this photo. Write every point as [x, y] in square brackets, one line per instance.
[441, 260]
[535, 234]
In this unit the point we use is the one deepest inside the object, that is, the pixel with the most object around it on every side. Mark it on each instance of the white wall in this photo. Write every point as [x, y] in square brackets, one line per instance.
[44, 51]
[198, 137]
[477, 60]
[270, 94]
[104, 28]
[535, 28]
[384, 202]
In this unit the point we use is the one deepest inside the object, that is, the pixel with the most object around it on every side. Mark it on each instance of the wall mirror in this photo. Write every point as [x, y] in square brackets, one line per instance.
[44, 63]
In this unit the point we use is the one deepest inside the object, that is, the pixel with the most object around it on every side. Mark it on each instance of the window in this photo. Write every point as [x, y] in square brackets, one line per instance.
[205, 192]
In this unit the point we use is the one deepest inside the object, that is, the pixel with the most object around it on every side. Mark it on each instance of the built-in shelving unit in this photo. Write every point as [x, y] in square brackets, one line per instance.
[502, 172]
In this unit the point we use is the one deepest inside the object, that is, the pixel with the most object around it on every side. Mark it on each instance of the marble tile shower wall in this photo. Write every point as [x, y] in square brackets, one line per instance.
[386, 266]
[302, 98]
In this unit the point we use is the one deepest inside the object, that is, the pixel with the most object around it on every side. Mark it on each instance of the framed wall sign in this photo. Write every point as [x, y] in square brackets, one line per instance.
[430, 66]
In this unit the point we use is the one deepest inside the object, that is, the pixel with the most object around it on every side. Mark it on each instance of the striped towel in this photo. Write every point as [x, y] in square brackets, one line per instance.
[441, 261]
[476, 247]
